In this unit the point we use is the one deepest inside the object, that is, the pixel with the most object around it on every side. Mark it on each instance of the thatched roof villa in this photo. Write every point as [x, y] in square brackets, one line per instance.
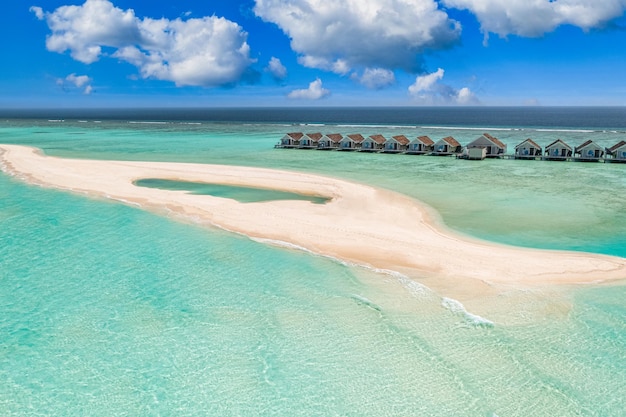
[528, 149]
[421, 145]
[492, 146]
[589, 151]
[373, 143]
[447, 146]
[351, 142]
[330, 141]
[310, 140]
[617, 152]
[558, 151]
[291, 140]
[398, 143]
[485, 146]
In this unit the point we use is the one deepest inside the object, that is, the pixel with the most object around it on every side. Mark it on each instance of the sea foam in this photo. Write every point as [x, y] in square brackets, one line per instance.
[459, 309]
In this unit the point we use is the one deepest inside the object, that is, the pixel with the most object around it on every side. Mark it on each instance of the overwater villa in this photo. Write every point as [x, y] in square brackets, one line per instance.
[395, 144]
[447, 146]
[421, 145]
[329, 141]
[351, 142]
[558, 151]
[291, 140]
[373, 143]
[617, 152]
[485, 146]
[310, 140]
[527, 150]
[589, 151]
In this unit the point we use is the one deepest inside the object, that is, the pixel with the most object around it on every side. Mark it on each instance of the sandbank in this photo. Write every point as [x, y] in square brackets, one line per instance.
[361, 224]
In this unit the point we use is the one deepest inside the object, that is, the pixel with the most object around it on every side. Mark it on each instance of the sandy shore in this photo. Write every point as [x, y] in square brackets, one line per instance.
[361, 224]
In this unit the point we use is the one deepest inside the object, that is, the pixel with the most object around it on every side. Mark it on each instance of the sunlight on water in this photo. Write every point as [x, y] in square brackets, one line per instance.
[109, 310]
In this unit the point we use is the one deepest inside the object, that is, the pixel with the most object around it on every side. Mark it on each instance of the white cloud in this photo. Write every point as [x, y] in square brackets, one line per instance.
[375, 78]
[314, 92]
[210, 51]
[428, 90]
[340, 35]
[38, 12]
[76, 81]
[535, 17]
[465, 96]
[277, 69]
[425, 83]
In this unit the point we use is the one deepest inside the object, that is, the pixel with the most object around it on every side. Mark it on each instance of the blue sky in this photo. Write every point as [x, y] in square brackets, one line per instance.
[101, 53]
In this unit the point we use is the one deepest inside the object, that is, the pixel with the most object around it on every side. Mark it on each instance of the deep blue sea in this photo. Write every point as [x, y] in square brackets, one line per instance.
[106, 309]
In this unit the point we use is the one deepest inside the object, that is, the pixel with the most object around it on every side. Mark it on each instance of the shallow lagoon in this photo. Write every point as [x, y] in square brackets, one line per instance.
[107, 309]
[240, 194]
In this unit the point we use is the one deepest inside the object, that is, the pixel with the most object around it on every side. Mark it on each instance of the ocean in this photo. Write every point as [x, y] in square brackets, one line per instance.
[106, 309]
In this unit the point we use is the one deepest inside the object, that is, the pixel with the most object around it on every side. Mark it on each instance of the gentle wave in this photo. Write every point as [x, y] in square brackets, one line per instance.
[502, 129]
[415, 288]
[567, 130]
[378, 126]
[367, 303]
[147, 123]
[457, 308]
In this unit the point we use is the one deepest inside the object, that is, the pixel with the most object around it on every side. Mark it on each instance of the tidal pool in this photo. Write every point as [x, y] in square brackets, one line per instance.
[241, 194]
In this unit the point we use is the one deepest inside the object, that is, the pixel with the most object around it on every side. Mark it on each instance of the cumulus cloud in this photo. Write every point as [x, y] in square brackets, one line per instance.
[537, 17]
[38, 12]
[314, 92]
[427, 89]
[341, 35]
[277, 69]
[82, 82]
[425, 82]
[209, 51]
[375, 78]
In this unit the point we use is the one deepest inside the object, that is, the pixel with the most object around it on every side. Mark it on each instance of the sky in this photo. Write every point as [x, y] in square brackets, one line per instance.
[248, 53]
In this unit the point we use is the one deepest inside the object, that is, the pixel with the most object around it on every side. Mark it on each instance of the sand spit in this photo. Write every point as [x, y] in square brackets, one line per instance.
[361, 224]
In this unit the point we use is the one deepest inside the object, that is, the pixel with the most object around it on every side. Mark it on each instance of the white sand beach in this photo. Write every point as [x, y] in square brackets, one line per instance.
[361, 224]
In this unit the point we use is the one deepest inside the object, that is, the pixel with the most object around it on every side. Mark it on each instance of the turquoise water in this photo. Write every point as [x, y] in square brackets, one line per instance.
[241, 194]
[109, 310]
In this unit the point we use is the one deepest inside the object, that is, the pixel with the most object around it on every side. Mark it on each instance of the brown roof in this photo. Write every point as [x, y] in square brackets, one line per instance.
[494, 140]
[451, 141]
[529, 140]
[426, 140]
[335, 137]
[587, 143]
[315, 136]
[559, 141]
[401, 139]
[616, 146]
[380, 139]
[357, 137]
[295, 135]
